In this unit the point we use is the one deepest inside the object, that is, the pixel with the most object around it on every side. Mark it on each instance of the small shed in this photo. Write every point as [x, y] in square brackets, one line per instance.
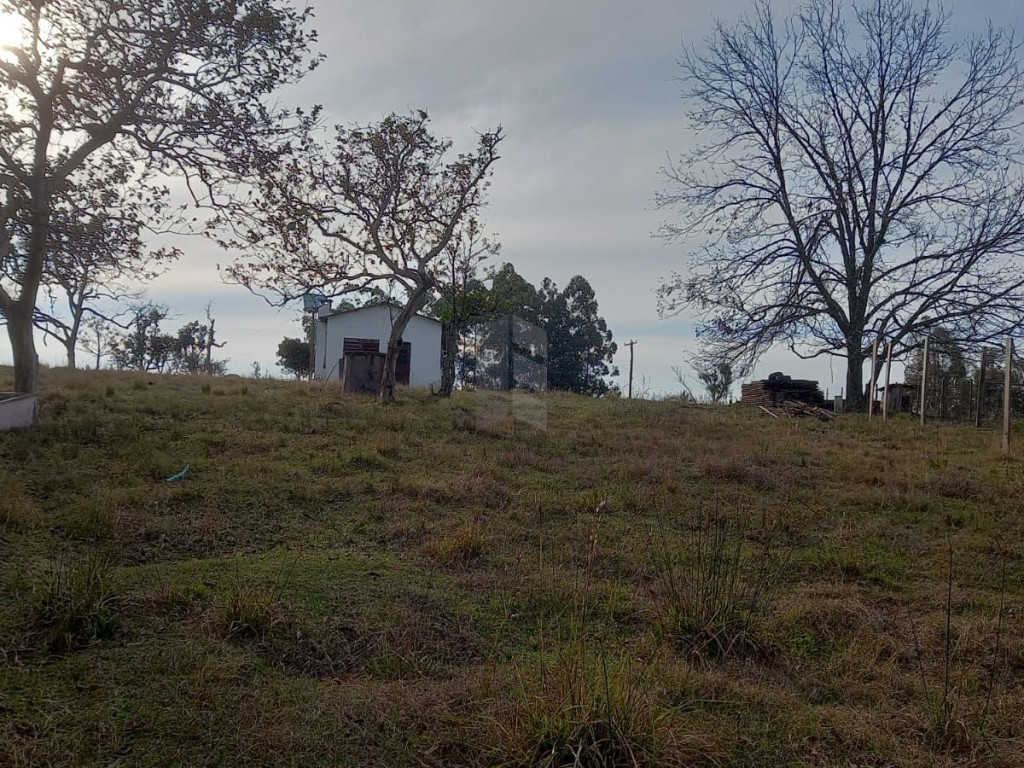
[350, 344]
[901, 397]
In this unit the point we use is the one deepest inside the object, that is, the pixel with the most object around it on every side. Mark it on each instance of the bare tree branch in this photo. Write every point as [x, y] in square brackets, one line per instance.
[862, 179]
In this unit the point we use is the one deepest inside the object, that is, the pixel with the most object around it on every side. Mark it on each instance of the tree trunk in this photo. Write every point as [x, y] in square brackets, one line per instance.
[23, 346]
[70, 347]
[855, 400]
[417, 300]
[20, 329]
[449, 351]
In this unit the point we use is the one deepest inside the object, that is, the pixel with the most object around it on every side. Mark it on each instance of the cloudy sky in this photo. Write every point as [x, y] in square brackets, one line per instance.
[585, 90]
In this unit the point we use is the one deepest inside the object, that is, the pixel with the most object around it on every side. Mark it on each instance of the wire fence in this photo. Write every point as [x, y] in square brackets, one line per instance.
[945, 380]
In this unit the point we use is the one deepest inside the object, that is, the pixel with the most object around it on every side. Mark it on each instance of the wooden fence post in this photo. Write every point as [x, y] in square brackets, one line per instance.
[871, 379]
[981, 389]
[924, 378]
[1006, 394]
[888, 369]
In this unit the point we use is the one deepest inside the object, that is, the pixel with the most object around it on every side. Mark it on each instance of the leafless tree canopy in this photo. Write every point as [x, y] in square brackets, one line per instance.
[862, 179]
[377, 206]
[163, 87]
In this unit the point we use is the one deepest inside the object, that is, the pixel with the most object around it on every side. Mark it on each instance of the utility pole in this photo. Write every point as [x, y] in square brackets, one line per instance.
[510, 379]
[631, 344]
[311, 336]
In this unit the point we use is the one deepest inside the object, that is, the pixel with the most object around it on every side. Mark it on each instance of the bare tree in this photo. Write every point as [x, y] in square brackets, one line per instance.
[192, 348]
[161, 86]
[377, 206]
[99, 338]
[863, 181]
[144, 346]
[686, 395]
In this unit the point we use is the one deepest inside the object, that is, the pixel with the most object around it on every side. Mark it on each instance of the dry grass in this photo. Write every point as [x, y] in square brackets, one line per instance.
[716, 589]
[461, 548]
[336, 583]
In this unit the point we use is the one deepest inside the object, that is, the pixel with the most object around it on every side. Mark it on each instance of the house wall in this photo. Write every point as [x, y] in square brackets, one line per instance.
[375, 323]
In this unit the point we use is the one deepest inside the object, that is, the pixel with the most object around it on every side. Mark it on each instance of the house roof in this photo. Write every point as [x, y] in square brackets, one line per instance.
[391, 304]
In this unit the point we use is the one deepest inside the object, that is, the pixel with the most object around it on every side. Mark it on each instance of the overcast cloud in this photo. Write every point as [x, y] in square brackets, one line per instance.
[585, 91]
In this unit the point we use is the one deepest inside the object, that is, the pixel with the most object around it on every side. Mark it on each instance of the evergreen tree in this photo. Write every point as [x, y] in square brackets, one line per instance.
[293, 357]
[578, 349]
[145, 347]
[580, 346]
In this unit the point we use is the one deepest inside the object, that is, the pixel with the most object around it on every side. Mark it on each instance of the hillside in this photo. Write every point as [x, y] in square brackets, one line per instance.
[336, 583]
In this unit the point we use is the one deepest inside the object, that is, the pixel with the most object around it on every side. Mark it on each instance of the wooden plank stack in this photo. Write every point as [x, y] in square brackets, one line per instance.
[785, 396]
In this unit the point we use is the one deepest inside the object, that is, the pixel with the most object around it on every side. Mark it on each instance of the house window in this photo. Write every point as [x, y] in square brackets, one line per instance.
[355, 346]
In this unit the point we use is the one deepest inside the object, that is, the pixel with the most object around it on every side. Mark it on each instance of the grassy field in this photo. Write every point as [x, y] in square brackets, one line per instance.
[432, 584]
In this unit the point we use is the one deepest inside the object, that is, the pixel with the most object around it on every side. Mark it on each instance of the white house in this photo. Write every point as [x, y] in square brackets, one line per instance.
[367, 329]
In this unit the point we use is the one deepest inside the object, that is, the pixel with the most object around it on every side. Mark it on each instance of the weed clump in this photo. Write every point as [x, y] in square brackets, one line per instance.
[461, 548]
[76, 606]
[94, 522]
[957, 723]
[715, 590]
[580, 705]
[583, 712]
[249, 611]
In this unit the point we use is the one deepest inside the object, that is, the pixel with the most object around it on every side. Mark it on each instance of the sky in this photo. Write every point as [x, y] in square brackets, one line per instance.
[586, 93]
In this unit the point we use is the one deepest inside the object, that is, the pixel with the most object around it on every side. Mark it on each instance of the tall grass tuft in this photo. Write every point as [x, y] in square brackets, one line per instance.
[76, 606]
[955, 721]
[715, 590]
[582, 710]
[249, 610]
[578, 705]
[459, 549]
